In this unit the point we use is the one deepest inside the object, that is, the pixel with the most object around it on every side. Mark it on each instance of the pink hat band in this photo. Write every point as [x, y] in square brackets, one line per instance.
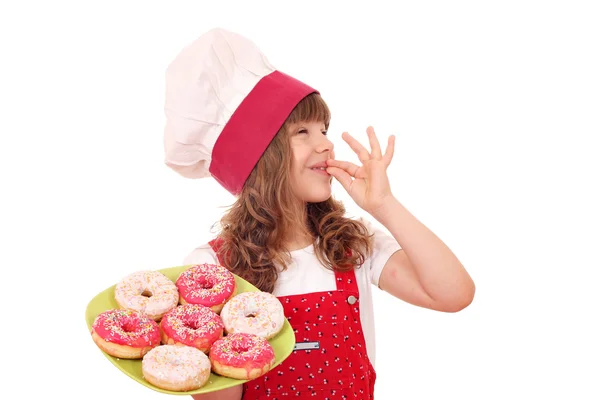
[253, 126]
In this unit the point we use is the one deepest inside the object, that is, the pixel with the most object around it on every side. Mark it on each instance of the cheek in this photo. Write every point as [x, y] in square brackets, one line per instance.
[296, 167]
[298, 162]
[296, 174]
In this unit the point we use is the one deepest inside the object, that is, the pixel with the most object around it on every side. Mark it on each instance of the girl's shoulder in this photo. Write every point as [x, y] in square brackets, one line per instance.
[200, 255]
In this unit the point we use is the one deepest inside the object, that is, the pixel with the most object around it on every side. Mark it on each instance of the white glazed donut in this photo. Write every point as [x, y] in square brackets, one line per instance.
[175, 367]
[149, 292]
[256, 313]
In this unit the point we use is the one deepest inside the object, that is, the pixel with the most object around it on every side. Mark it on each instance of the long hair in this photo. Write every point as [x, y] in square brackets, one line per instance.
[266, 211]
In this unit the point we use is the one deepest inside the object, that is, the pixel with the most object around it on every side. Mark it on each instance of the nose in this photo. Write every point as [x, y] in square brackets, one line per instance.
[324, 145]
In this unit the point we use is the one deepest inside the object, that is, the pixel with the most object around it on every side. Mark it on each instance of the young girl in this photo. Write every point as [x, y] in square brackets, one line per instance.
[263, 136]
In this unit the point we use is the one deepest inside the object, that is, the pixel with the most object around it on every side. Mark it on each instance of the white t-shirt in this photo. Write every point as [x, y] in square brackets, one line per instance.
[306, 274]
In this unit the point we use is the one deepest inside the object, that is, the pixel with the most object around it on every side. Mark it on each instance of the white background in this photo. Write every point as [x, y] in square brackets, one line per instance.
[496, 109]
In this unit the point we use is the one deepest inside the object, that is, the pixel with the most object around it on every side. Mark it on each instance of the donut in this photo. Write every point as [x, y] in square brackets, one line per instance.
[125, 333]
[257, 313]
[149, 292]
[241, 356]
[191, 325]
[208, 284]
[176, 368]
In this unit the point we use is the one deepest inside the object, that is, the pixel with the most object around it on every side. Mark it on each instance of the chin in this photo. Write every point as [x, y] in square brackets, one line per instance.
[317, 197]
[314, 192]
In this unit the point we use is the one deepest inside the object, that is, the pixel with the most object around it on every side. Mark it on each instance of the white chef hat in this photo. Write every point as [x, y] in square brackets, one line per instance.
[224, 104]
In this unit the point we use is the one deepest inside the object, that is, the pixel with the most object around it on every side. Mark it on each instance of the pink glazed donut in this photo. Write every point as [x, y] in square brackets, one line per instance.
[241, 356]
[125, 334]
[192, 325]
[209, 285]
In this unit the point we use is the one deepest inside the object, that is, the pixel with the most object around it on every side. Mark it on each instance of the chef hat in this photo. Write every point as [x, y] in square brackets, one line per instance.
[224, 104]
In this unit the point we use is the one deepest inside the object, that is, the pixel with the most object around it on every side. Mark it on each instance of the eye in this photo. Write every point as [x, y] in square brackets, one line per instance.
[324, 133]
[302, 130]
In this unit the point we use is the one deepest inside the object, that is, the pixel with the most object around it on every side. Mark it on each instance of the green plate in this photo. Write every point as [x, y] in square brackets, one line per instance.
[283, 343]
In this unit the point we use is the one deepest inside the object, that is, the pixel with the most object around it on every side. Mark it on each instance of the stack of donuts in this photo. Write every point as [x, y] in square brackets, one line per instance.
[185, 329]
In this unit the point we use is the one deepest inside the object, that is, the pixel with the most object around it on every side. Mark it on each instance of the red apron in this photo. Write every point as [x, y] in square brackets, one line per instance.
[330, 360]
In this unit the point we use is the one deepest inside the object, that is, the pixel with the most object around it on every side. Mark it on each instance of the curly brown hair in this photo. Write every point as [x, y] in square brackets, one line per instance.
[267, 211]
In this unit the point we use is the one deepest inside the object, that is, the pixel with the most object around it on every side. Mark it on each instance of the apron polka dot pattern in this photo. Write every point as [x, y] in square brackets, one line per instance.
[330, 360]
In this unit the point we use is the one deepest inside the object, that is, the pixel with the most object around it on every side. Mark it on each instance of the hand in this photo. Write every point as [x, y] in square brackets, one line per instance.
[368, 185]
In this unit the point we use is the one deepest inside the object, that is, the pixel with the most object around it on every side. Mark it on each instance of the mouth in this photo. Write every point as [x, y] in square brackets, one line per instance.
[320, 170]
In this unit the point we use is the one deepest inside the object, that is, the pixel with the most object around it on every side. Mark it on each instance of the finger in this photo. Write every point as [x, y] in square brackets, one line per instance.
[361, 152]
[341, 176]
[374, 142]
[347, 166]
[389, 151]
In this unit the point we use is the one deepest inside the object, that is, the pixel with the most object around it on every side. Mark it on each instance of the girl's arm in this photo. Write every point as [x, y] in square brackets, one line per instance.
[232, 393]
[425, 272]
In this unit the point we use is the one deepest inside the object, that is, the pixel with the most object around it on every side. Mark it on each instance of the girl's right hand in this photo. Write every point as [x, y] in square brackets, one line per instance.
[232, 393]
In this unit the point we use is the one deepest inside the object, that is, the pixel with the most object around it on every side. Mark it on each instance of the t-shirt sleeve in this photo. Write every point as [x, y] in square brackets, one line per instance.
[384, 245]
[201, 255]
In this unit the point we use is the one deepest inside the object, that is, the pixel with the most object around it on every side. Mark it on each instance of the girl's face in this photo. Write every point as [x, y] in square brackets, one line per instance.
[310, 150]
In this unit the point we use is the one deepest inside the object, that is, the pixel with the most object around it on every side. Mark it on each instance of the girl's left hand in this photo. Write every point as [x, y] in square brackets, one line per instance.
[368, 185]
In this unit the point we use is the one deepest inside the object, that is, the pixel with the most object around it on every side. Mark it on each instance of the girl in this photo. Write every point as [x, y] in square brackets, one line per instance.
[263, 135]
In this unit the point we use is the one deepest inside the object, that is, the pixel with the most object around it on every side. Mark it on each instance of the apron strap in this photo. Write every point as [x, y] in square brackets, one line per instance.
[346, 280]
